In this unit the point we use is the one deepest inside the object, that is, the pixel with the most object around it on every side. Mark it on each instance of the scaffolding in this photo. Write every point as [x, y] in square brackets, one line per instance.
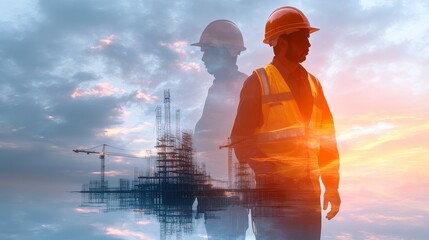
[176, 181]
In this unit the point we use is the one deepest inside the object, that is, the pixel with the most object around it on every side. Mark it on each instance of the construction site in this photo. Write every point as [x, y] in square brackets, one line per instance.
[174, 186]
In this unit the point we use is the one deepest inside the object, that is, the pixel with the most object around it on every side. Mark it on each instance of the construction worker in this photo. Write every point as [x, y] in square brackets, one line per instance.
[284, 130]
[221, 42]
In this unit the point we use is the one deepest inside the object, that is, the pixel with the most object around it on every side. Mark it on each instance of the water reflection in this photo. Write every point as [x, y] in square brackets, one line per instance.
[224, 210]
[176, 205]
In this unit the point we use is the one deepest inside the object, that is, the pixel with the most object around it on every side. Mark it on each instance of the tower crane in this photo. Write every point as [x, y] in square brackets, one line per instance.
[102, 155]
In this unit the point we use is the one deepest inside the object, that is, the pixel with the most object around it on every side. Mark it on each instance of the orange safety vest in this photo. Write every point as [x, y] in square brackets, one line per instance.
[285, 139]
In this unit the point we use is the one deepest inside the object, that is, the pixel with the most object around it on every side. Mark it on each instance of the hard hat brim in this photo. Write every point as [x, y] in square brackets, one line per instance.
[313, 29]
[310, 29]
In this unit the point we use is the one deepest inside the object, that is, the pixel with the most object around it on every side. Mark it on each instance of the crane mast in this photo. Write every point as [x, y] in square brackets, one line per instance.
[103, 167]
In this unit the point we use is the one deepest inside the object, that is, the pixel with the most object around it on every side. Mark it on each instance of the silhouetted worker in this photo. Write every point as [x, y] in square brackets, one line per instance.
[221, 42]
[284, 130]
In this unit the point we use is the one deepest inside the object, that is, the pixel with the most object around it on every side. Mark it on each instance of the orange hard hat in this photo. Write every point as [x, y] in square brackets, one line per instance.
[285, 20]
[222, 33]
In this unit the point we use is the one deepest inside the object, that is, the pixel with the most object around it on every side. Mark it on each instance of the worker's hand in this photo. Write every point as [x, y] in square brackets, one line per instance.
[332, 197]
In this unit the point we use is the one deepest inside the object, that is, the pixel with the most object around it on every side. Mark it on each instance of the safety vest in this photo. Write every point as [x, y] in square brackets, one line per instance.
[287, 143]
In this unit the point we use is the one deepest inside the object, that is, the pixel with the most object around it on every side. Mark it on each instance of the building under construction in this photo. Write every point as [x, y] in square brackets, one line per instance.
[169, 191]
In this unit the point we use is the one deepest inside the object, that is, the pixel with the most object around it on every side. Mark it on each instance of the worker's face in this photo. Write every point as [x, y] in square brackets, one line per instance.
[215, 59]
[298, 45]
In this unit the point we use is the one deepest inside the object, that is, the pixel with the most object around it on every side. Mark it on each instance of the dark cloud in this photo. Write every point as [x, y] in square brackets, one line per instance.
[81, 16]
[84, 76]
[84, 117]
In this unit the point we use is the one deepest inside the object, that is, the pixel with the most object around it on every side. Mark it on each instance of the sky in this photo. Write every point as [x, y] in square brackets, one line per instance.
[77, 74]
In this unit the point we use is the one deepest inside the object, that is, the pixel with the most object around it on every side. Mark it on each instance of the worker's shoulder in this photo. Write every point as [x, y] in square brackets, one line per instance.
[252, 78]
[319, 88]
[251, 83]
[304, 73]
[315, 79]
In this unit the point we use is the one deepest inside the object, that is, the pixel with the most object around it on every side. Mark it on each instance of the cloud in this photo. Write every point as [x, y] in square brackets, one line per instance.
[109, 132]
[101, 89]
[375, 236]
[344, 236]
[84, 76]
[360, 131]
[126, 234]
[9, 145]
[388, 219]
[104, 42]
[147, 98]
[190, 66]
[178, 47]
[368, 5]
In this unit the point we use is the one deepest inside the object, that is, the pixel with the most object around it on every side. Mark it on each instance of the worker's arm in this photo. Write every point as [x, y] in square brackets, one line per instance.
[249, 116]
[329, 161]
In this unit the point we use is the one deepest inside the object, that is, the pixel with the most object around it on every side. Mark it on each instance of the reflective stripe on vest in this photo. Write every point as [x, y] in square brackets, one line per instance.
[262, 75]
